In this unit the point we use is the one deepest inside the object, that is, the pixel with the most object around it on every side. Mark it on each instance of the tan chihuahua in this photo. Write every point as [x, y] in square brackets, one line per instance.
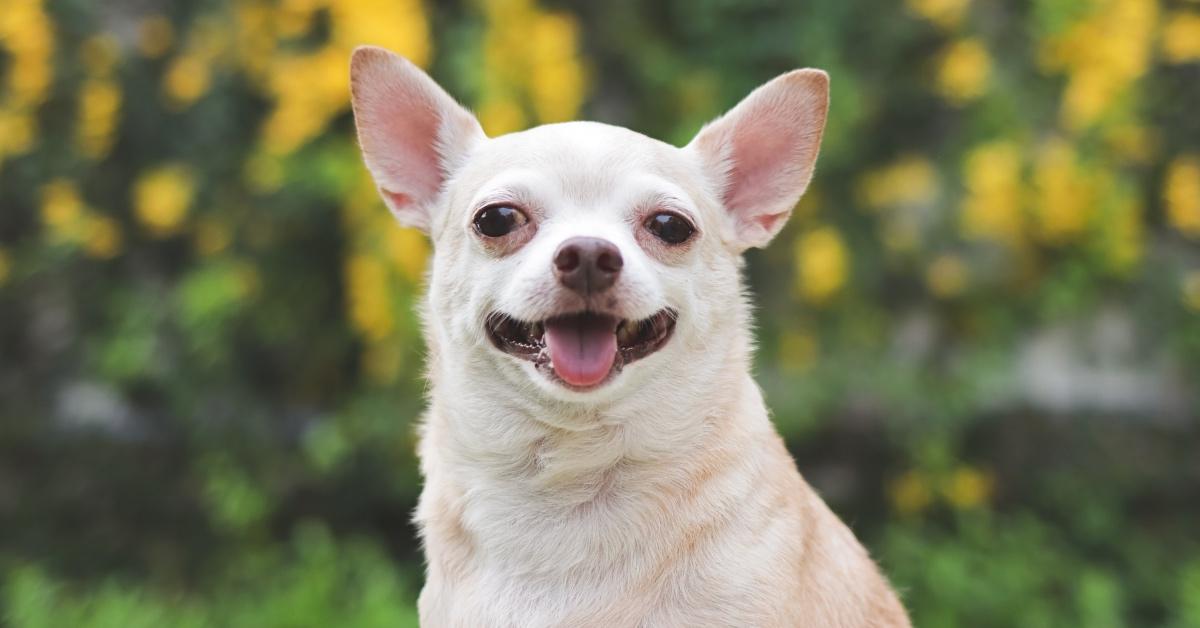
[595, 451]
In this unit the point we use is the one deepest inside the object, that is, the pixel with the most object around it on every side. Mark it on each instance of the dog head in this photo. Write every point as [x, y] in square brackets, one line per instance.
[580, 261]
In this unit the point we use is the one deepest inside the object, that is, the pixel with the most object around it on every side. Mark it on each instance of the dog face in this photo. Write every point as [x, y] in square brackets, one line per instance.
[579, 261]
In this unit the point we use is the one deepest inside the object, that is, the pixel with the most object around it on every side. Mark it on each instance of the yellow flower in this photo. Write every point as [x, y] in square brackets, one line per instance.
[30, 80]
[557, 81]
[62, 209]
[910, 180]
[1102, 55]
[1063, 203]
[964, 70]
[188, 78]
[530, 57]
[99, 104]
[1191, 290]
[968, 488]
[947, 276]
[821, 264]
[101, 237]
[295, 17]
[254, 39]
[947, 14]
[368, 295]
[1181, 194]
[309, 91]
[1181, 37]
[28, 34]
[910, 493]
[992, 207]
[1088, 95]
[309, 88]
[18, 131]
[161, 198]
[408, 250]
[399, 25]
[27, 40]
[500, 116]
[155, 36]
[505, 44]
[69, 221]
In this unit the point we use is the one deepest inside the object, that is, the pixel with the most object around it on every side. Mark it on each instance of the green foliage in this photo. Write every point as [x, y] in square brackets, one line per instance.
[316, 582]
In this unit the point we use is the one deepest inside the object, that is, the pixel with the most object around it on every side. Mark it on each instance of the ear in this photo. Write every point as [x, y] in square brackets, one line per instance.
[413, 135]
[762, 152]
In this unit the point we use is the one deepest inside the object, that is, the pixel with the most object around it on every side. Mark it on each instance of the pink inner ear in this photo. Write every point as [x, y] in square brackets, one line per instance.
[764, 166]
[400, 113]
[764, 149]
[411, 132]
[399, 136]
[770, 223]
[398, 199]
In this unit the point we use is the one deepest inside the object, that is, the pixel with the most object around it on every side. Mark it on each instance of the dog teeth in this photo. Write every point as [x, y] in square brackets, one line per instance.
[536, 331]
[627, 333]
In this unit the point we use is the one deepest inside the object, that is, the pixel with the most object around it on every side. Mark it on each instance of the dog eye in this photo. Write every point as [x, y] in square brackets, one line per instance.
[670, 228]
[496, 221]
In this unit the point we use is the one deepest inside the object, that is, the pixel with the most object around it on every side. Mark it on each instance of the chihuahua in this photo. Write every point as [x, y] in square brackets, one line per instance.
[595, 451]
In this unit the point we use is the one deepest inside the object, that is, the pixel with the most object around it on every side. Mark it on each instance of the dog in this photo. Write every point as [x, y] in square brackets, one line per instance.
[595, 451]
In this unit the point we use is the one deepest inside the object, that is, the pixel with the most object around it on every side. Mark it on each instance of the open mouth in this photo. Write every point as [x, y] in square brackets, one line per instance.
[583, 349]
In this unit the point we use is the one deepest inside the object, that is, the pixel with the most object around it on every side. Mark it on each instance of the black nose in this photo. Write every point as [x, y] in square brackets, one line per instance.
[587, 265]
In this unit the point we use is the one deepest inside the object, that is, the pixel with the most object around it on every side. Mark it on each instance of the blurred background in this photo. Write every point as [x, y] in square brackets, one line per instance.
[980, 331]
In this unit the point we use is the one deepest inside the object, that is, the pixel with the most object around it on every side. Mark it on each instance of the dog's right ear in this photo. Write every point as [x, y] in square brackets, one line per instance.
[413, 135]
[763, 152]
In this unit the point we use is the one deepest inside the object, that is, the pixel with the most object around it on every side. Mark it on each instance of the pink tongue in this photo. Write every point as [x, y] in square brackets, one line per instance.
[582, 348]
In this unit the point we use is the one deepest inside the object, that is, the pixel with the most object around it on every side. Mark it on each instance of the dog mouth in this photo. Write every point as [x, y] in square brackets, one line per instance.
[584, 349]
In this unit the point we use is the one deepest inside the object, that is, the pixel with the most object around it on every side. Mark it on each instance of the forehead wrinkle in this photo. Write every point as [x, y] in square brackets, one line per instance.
[590, 171]
[592, 165]
[525, 187]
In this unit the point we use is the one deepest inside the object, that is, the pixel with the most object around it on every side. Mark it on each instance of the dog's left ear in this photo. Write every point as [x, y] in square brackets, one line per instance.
[762, 152]
[412, 133]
